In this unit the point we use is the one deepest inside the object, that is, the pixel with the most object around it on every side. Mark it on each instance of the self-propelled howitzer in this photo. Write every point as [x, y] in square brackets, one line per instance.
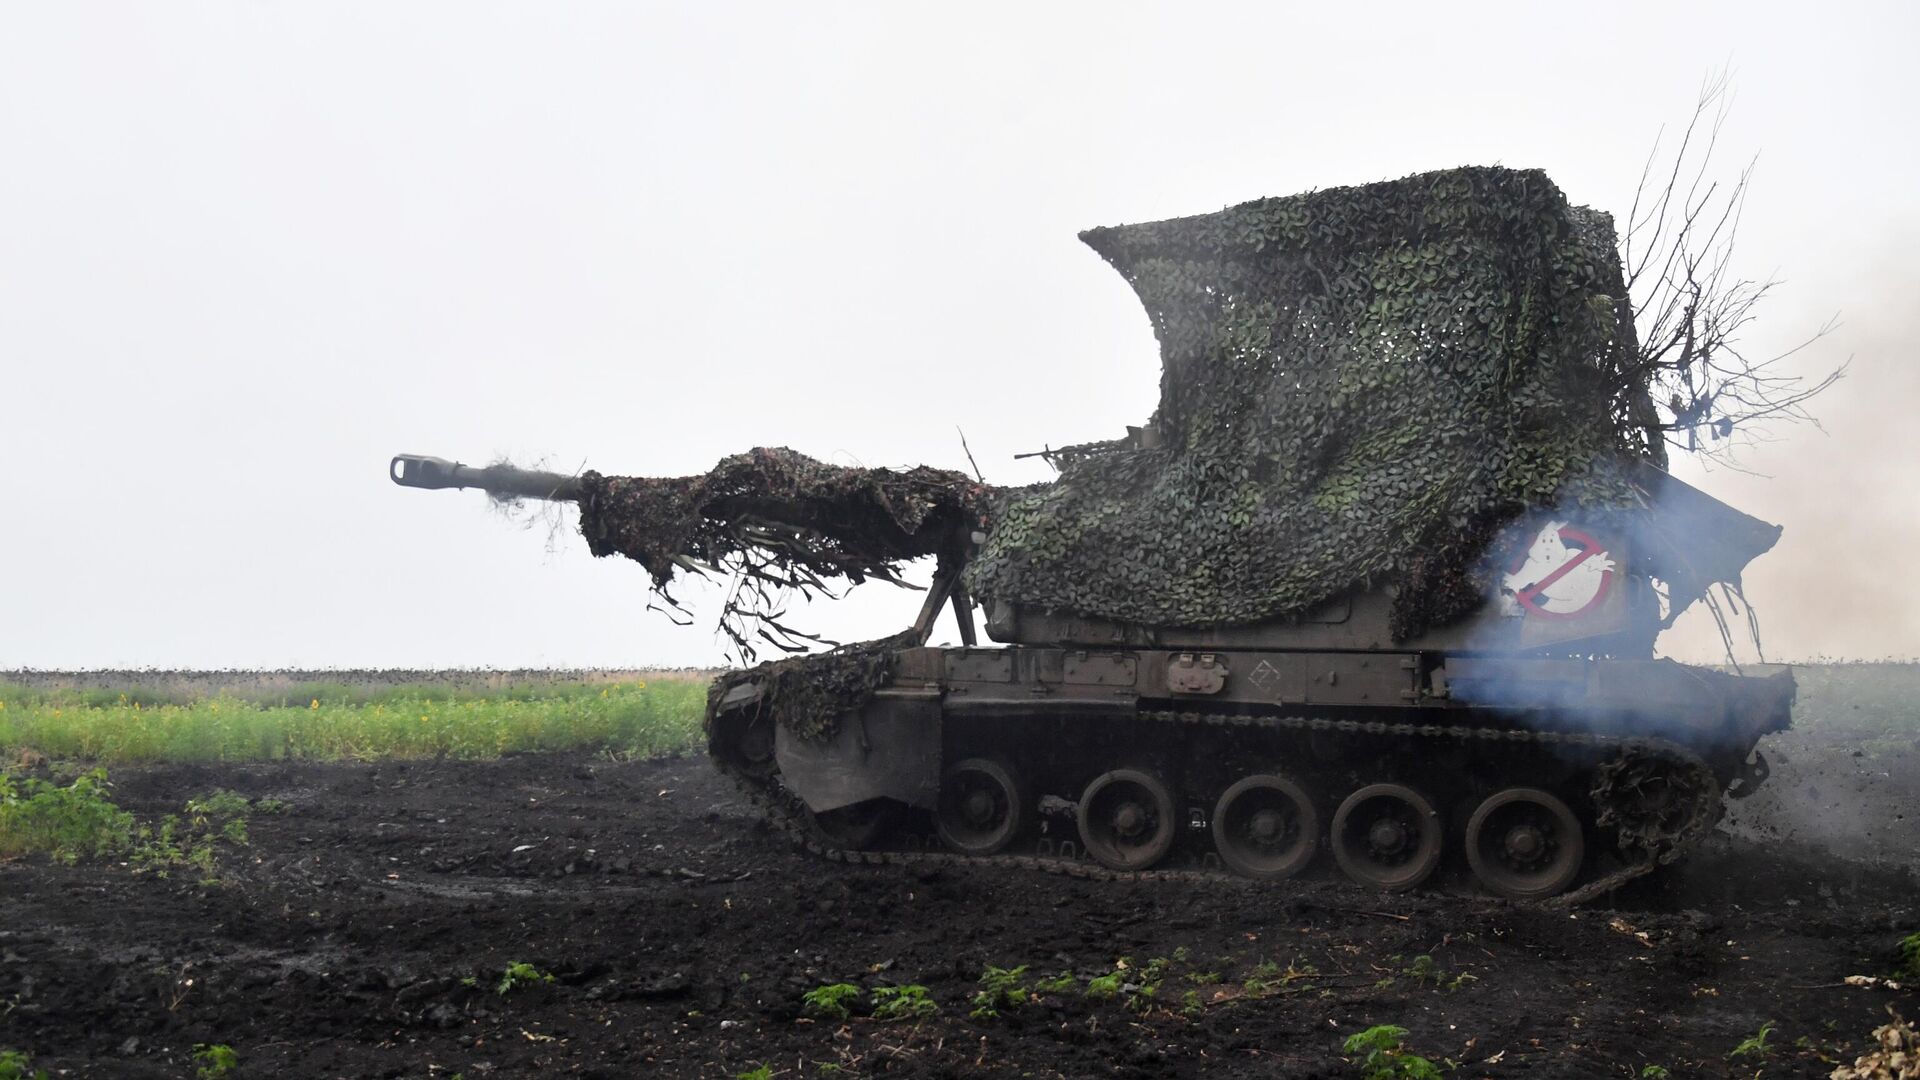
[1377, 586]
[1535, 747]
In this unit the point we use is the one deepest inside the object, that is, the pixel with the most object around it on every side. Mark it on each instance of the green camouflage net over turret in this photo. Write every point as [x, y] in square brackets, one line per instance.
[1359, 385]
[779, 524]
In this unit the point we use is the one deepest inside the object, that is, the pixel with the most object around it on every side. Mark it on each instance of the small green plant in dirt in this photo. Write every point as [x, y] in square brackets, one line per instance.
[519, 974]
[226, 810]
[758, 1072]
[1423, 970]
[1383, 1055]
[1754, 1045]
[189, 841]
[1655, 1072]
[1136, 987]
[1147, 984]
[70, 823]
[834, 1001]
[909, 1002]
[1808, 1046]
[1000, 988]
[1909, 953]
[1059, 984]
[14, 1064]
[214, 1061]
[1190, 1004]
[159, 851]
[1268, 977]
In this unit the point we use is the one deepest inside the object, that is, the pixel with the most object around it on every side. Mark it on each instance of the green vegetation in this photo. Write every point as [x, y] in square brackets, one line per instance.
[1755, 1045]
[519, 974]
[837, 1001]
[1909, 951]
[1000, 988]
[190, 843]
[1136, 987]
[1146, 984]
[1655, 1072]
[1423, 970]
[80, 820]
[331, 722]
[909, 1002]
[214, 1062]
[160, 851]
[833, 1001]
[1268, 977]
[1059, 984]
[1384, 1056]
[758, 1072]
[13, 1066]
[70, 823]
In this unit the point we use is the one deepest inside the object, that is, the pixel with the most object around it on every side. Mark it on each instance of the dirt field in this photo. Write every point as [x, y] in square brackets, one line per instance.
[681, 937]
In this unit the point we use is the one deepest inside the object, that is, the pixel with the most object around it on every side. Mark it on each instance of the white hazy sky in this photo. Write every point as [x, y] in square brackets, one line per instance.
[248, 251]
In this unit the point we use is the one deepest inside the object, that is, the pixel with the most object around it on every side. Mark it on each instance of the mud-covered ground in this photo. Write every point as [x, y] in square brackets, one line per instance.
[365, 930]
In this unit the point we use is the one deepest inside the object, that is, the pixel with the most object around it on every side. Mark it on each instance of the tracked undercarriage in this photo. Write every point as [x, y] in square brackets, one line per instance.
[1116, 763]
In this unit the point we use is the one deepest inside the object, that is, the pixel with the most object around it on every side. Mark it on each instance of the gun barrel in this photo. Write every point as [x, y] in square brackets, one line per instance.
[417, 471]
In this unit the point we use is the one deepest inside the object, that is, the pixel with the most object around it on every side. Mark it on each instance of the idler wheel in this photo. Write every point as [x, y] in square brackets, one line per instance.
[858, 826]
[1525, 843]
[1387, 836]
[983, 806]
[1126, 819]
[1265, 827]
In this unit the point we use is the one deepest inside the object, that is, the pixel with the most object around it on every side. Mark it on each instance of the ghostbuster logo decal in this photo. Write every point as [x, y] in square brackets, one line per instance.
[1565, 572]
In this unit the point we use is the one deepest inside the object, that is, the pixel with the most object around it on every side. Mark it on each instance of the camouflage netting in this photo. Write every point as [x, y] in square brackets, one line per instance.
[810, 694]
[1359, 385]
[777, 521]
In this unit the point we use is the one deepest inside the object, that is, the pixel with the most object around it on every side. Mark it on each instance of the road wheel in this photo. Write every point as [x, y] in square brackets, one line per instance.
[1387, 836]
[1525, 843]
[1265, 827]
[1127, 819]
[983, 806]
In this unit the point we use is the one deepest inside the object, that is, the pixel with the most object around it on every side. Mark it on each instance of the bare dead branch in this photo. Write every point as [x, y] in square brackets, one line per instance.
[1691, 306]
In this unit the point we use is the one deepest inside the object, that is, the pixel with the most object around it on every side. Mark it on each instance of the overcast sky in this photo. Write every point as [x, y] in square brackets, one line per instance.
[250, 251]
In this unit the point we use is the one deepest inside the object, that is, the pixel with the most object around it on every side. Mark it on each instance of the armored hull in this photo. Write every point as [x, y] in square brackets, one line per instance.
[1527, 777]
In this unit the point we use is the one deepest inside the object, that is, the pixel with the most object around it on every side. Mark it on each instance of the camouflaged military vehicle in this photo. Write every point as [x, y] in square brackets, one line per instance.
[1375, 590]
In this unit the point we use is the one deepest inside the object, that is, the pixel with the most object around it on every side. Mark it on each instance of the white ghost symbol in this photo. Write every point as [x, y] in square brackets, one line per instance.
[1570, 592]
